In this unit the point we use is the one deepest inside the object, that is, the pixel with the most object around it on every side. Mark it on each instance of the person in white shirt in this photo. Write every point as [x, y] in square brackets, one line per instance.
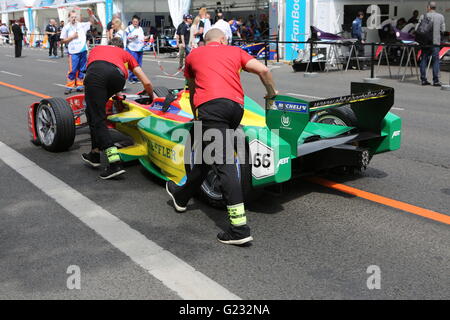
[118, 31]
[135, 44]
[224, 26]
[74, 34]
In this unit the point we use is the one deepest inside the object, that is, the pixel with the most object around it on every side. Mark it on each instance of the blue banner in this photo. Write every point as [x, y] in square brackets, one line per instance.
[109, 10]
[295, 27]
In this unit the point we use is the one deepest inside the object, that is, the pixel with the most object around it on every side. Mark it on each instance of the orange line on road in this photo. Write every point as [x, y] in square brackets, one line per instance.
[436, 216]
[37, 94]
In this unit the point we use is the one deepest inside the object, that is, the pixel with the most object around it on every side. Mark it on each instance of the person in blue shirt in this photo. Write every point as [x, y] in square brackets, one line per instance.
[357, 26]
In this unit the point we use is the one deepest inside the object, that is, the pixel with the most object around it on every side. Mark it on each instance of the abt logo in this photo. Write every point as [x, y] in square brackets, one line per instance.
[396, 134]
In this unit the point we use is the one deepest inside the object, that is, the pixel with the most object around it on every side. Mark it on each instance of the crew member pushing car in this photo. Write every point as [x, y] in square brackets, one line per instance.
[213, 75]
[106, 75]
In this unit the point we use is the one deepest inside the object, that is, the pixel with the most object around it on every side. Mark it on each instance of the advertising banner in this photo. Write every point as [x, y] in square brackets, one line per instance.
[295, 27]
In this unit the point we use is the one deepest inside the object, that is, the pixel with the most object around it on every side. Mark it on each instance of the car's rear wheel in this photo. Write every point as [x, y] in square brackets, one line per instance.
[55, 124]
[210, 190]
[342, 116]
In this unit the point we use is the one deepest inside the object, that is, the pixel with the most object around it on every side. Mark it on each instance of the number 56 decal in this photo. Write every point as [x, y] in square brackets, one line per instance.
[262, 160]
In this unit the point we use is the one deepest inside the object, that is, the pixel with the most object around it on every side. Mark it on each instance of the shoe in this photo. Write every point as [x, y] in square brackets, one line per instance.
[235, 235]
[425, 83]
[437, 84]
[112, 170]
[68, 91]
[92, 158]
[80, 89]
[171, 188]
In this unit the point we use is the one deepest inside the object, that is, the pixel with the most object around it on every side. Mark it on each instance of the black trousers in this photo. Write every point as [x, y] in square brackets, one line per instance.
[53, 50]
[222, 115]
[18, 48]
[102, 81]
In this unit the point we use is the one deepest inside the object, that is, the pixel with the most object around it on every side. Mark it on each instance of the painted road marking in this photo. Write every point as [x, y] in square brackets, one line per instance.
[436, 216]
[37, 94]
[41, 60]
[59, 85]
[8, 55]
[173, 272]
[400, 109]
[159, 61]
[11, 74]
[169, 77]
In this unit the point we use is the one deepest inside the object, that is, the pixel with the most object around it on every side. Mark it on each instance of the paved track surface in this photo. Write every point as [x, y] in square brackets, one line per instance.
[311, 242]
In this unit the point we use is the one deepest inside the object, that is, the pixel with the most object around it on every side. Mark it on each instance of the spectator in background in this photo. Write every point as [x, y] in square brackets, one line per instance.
[194, 37]
[235, 26]
[109, 27]
[135, 44]
[415, 18]
[4, 31]
[438, 27]
[401, 23]
[264, 26]
[18, 38]
[183, 36]
[61, 44]
[224, 26]
[118, 31]
[357, 32]
[52, 34]
[208, 23]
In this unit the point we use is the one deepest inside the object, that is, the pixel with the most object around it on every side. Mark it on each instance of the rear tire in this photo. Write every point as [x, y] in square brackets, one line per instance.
[55, 124]
[210, 192]
[342, 116]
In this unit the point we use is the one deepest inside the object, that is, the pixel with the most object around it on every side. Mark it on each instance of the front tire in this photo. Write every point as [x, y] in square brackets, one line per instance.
[55, 125]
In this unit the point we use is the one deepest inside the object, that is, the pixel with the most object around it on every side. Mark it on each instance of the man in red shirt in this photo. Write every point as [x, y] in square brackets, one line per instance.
[106, 74]
[217, 97]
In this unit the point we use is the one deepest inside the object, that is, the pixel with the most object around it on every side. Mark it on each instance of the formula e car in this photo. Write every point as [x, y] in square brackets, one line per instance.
[288, 138]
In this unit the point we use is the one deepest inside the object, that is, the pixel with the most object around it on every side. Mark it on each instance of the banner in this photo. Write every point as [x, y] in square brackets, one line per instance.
[109, 10]
[295, 27]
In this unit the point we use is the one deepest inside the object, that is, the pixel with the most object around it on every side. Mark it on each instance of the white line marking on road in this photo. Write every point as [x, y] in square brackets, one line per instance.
[42, 60]
[394, 108]
[162, 61]
[274, 67]
[59, 85]
[304, 96]
[169, 77]
[8, 55]
[174, 273]
[12, 74]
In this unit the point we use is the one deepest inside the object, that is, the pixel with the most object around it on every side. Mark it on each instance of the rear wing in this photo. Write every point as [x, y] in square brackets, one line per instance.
[369, 102]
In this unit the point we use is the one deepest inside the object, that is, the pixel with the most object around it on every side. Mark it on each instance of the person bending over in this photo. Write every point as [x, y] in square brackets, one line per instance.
[106, 75]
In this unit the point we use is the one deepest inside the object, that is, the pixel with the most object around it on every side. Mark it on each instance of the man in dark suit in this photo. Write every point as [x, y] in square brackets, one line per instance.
[18, 38]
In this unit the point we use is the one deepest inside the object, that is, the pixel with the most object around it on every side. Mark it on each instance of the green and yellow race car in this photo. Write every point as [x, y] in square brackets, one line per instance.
[286, 138]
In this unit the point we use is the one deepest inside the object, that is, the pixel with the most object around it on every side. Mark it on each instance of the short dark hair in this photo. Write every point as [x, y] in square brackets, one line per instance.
[116, 42]
[136, 17]
[360, 13]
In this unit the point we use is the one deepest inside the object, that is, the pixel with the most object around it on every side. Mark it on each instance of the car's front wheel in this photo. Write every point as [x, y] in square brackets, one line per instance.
[55, 124]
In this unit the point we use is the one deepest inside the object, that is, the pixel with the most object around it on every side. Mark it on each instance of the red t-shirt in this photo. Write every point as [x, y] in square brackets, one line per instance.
[115, 55]
[216, 70]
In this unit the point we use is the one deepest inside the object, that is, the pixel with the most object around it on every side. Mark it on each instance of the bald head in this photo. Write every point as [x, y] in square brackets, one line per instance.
[215, 35]
[432, 5]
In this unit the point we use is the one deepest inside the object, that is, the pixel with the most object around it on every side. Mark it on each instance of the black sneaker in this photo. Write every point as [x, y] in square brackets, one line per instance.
[68, 91]
[437, 84]
[112, 170]
[171, 187]
[426, 83]
[235, 235]
[92, 158]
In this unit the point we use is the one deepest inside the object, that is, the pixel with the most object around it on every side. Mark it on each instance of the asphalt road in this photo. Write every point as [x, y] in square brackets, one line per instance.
[311, 242]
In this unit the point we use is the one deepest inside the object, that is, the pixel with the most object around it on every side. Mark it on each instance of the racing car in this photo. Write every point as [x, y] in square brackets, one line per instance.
[287, 138]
